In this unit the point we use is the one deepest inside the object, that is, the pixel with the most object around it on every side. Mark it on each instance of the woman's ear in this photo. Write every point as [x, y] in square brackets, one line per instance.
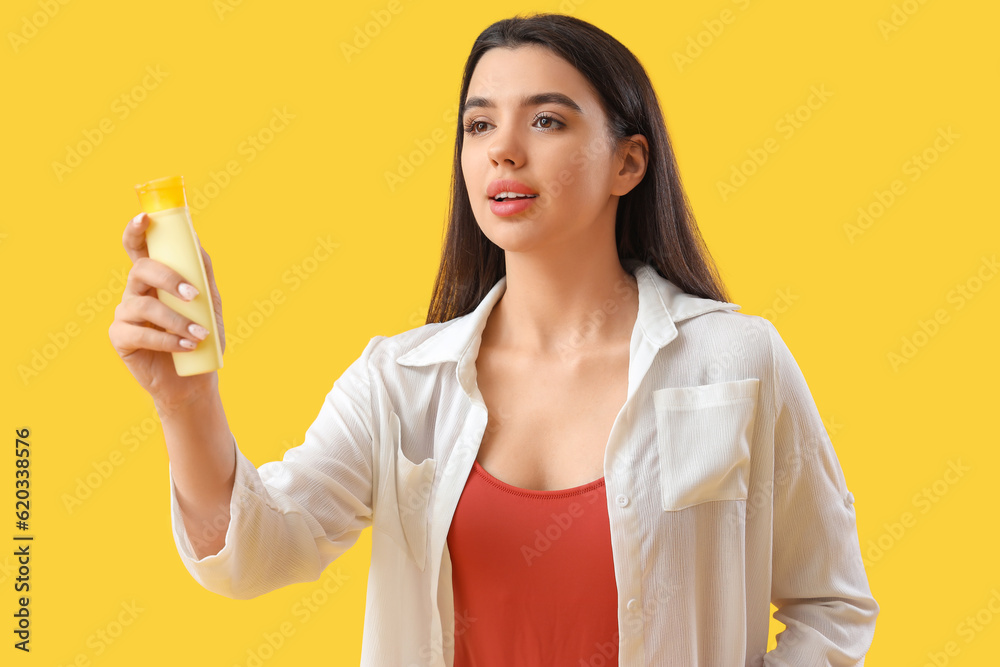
[631, 164]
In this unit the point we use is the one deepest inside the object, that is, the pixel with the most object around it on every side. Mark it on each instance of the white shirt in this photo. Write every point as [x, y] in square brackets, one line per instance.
[724, 494]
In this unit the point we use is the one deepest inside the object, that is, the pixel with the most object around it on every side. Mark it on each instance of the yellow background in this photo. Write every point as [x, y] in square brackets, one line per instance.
[843, 306]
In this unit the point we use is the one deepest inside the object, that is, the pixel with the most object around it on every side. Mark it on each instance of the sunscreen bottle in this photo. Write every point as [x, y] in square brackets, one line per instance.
[171, 240]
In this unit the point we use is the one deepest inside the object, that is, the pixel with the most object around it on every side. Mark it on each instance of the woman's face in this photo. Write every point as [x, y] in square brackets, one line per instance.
[560, 152]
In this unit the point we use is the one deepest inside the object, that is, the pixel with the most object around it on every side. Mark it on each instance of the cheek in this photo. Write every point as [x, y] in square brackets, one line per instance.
[469, 174]
[580, 183]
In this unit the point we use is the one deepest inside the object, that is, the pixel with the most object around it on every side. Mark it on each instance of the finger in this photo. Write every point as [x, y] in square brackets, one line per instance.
[209, 271]
[210, 275]
[134, 237]
[148, 272]
[216, 297]
[146, 310]
[127, 338]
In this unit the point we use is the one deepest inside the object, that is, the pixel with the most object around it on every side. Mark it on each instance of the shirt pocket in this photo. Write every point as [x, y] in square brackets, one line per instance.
[413, 484]
[703, 434]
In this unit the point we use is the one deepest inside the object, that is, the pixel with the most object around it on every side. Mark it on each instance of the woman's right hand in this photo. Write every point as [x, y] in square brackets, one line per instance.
[146, 331]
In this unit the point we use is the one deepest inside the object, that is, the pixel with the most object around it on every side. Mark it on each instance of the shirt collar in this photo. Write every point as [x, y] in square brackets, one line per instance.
[661, 305]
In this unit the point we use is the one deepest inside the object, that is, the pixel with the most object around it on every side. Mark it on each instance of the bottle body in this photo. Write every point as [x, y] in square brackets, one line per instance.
[171, 240]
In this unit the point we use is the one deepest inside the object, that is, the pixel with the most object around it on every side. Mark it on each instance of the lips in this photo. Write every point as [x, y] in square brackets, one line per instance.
[511, 207]
[510, 196]
[503, 185]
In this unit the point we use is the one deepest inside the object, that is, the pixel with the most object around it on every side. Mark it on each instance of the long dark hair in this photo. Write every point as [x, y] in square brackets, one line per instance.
[653, 222]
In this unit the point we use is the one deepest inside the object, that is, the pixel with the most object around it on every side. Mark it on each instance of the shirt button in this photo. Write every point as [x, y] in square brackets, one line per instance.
[633, 604]
[849, 500]
[622, 500]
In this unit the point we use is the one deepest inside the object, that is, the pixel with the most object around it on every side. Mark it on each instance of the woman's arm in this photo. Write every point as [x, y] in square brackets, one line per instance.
[289, 519]
[202, 466]
[818, 584]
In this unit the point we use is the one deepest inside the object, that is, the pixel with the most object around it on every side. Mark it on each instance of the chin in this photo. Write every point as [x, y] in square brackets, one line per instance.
[512, 237]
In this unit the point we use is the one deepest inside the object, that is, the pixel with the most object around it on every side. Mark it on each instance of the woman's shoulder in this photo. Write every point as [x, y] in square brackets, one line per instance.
[729, 326]
[387, 349]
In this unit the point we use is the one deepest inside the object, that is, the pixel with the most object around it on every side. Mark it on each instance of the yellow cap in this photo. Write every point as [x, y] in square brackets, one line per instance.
[160, 194]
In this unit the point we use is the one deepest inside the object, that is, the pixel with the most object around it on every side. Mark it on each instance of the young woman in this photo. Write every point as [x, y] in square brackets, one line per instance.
[587, 456]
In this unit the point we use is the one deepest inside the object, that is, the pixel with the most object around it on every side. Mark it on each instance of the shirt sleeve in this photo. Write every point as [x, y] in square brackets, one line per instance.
[818, 584]
[289, 519]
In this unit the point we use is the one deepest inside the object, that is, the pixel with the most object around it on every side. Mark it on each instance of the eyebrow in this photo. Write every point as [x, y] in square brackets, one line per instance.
[526, 101]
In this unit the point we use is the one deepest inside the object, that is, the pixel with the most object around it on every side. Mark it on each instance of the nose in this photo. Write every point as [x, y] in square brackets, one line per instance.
[505, 147]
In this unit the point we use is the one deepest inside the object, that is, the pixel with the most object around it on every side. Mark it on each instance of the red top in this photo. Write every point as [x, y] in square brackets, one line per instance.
[533, 575]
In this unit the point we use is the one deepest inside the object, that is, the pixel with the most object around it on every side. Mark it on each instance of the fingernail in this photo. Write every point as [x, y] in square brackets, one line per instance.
[198, 331]
[137, 220]
[188, 344]
[187, 291]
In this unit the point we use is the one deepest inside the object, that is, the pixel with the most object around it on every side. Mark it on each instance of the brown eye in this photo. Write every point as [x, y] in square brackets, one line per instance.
[552, 123]
[472, 126]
